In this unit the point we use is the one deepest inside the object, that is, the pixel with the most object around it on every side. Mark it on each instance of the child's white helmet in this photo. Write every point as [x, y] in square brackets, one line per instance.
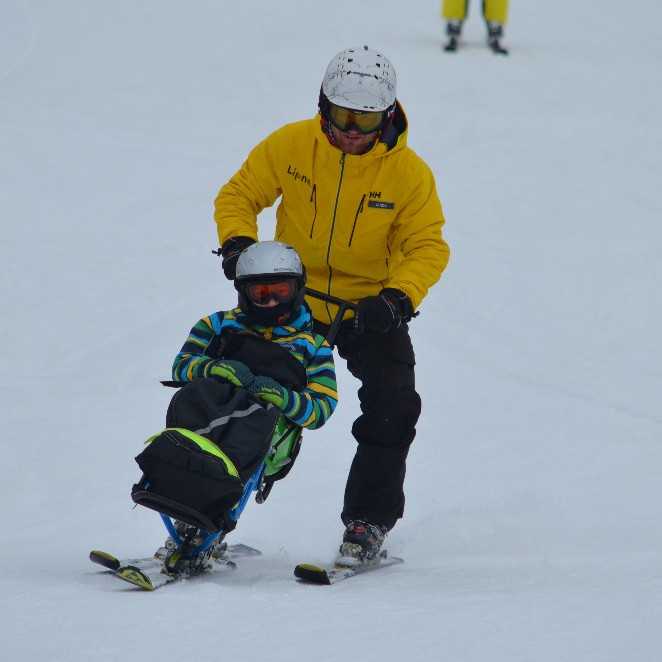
[266, 264]
[269, 258]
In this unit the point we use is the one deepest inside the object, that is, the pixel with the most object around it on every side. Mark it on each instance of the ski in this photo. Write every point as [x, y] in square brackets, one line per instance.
[113, 563]
[106, 560]
[316, 574]
[152, 574]
[149, 573]
[143, 578]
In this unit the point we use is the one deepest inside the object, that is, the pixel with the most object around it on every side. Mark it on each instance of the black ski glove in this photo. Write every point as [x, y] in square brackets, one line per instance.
[230, 251]
[381, 313]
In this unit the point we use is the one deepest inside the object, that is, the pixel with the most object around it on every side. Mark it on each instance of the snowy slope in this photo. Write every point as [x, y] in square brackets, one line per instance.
[532, 529]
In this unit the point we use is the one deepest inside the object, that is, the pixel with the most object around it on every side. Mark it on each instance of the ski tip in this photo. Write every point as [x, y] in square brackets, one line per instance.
[104, 559]
[311, 573]
[311, 567]
[135, 576]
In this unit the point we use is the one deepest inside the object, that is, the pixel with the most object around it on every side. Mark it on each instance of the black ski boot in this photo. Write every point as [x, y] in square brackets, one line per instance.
[454, 32]
[361, 544]
[180, 559]
[494, 36]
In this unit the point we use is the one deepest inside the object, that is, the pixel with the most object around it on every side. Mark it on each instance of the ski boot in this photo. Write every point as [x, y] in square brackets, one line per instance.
[180, 559]
[177, 559]
[362, 544]
[218, 548]
[494, 36]
[169, 546]
[454, 31]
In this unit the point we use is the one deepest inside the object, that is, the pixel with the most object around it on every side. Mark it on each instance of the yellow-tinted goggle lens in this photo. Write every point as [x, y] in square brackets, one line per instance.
[345, 119]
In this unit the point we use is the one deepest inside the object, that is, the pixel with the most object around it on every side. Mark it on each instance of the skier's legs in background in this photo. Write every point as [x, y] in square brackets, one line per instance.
[454, 12]
[495, 13]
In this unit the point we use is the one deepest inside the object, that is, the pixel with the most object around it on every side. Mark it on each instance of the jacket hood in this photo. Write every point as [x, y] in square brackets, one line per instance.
[395, 134]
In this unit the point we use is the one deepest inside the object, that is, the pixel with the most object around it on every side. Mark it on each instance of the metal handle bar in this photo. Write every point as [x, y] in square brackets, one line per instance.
[342, 307]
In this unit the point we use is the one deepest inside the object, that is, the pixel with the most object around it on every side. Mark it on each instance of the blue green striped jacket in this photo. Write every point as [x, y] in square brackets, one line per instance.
[309, 408]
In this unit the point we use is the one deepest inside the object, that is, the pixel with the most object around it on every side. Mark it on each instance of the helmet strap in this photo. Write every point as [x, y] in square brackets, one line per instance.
[326, 128]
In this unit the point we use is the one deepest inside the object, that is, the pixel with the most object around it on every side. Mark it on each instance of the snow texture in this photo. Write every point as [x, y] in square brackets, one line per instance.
[532, 530]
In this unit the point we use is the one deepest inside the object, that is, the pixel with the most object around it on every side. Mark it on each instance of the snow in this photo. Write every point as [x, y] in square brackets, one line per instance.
[532, 530]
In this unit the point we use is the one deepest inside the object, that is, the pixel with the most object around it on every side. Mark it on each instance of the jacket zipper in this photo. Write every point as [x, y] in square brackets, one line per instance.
[356, 218]
[313, 199]
[333, 225]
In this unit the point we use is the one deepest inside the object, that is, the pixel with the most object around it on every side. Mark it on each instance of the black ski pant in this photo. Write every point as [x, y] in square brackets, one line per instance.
[390, 407]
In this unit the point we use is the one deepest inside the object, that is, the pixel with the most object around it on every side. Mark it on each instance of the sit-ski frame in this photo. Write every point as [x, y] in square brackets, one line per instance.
[256, 482]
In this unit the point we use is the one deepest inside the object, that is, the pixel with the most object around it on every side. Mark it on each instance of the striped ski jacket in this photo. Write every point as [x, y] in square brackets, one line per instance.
[309, 408]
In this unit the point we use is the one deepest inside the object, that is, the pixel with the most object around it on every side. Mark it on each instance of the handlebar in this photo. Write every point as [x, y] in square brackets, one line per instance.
[342, 307]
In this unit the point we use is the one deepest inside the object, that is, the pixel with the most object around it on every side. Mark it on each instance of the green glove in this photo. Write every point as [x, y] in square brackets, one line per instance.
[270, 390]
[234, 372]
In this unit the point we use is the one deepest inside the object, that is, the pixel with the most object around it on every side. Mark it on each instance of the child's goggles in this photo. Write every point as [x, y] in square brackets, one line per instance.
[346, 120]
[282, 291]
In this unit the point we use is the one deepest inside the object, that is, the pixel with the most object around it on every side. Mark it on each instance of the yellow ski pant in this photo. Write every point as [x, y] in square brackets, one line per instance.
[493, 10]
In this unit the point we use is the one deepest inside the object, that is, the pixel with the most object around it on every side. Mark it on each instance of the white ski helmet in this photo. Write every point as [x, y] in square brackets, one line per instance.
[267, 263]
[267, 259]
[360, 79]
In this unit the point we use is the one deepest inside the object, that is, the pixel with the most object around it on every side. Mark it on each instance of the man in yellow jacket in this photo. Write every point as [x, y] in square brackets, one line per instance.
[361, 209]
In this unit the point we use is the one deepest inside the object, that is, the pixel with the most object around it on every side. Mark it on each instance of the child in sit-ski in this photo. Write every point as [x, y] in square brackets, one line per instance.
[271, 285]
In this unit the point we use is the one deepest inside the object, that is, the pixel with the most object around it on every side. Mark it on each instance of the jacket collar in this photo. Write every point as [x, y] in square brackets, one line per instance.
[303, 322]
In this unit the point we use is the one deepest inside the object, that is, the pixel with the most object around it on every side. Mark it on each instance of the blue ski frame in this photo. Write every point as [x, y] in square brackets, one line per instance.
[252, 485]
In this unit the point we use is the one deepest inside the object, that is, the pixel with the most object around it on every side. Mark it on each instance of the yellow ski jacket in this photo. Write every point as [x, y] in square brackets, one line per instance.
[359, 223]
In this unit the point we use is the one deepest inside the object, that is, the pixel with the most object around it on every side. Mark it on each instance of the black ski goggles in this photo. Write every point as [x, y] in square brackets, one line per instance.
[346, 120]
[282, 291]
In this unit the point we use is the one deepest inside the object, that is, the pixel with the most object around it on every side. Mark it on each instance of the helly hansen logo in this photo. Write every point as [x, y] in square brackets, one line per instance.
[377, 203]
